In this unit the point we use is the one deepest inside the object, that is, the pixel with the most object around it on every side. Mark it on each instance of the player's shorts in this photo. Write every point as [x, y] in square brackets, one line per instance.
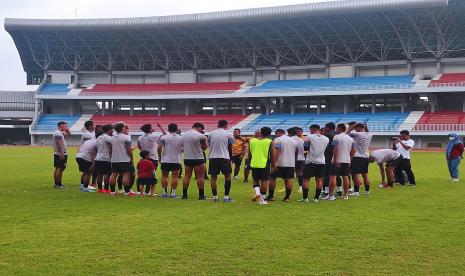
[84, 165]
[359, 165]
[342, 170]
[237, 160]
[395, 162]
[122, 167]
[147, 181]
[314, 170]
[283, 172]
[193, 162]
[219, 165]
[103, 167]
[58, 163]
[170, 167]
[261, 174]
[155, 162]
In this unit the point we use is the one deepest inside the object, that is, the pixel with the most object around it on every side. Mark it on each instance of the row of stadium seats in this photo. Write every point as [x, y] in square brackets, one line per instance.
[184, 122]
[384, 121]
[167, 88]
[451, 79]
[344, 84]
[48, 122]
[55, 89]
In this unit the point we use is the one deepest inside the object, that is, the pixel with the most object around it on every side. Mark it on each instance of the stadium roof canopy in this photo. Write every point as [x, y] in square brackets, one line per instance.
[298, 35]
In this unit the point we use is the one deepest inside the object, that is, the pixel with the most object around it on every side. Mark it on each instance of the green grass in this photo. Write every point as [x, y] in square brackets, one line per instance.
[400, 231]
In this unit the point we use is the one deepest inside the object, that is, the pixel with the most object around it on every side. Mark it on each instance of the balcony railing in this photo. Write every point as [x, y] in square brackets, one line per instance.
[439, 127]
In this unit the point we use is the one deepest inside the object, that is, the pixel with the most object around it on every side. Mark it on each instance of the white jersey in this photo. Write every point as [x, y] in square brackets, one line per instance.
[288, 151]
[59, 138]
[317, 144]
[103, 148]
[192, 142]
[362, 141]
[172, 148]
[219, 141]
[87, 150]
[344, 144]
[149, 142]
[385, 155]
[87, 135]
[119, 142]
[405, 153]
[300, 148]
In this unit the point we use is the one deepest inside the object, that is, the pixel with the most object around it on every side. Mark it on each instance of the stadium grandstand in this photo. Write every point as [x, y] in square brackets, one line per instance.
[16, 114]
[392, 64]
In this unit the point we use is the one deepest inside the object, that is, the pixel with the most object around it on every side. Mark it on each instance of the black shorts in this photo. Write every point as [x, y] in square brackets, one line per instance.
[122, 167]
[193, 162]
[395, 162]
[283, 172]
[237, 160]
[58, 163]
[299, 165]
[359, 165]
[102, 167]
[219, 165]
[84, 165]
[147, 181]
[170, 167]
[342, 170]
[155, 162]
[314, 170]
[260, 174]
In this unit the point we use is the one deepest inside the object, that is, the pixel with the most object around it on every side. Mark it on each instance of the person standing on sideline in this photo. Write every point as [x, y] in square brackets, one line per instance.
[454, 152]
[344, 150]
[286, 151]
[220, 142]
[360, 162]
[315, 144]
[261, 151]
[60, 153]
[404, 146]
[194, 143]
[169, 152]
[238, 151]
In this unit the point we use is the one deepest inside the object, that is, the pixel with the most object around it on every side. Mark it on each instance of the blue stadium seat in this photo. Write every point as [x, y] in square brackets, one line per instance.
[379, 122]
[338, 84]
[48, 122]
[55, 89]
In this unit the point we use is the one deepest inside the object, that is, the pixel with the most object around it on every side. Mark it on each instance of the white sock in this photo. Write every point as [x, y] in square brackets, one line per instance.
[339, 189]
[257, 190]
[226, 197]
[326, 190]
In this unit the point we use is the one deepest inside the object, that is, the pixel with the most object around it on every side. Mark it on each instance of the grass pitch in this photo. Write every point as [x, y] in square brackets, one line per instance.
[401, 231]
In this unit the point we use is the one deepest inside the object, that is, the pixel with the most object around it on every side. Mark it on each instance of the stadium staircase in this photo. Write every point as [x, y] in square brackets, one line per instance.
[336, 84]
[411, 120]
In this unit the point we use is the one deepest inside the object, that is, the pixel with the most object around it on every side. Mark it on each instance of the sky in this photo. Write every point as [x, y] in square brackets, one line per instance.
[12, 75]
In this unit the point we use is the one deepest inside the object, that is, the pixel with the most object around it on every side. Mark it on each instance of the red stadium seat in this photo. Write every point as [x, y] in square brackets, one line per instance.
[452, 79]
[184, 122]
[441, 121]
[167, 88]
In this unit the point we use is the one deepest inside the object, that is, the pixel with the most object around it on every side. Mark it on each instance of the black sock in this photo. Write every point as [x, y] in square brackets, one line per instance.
[112, 188]
[86, 185]
[165, 190]
[288, 193]
[227, 187]
[184, 192]
[270, 193]
[300, 180]
[367, 188]
[214, 192]
[356, 189]
[201, 193]
[82, 179]
[305, 193]
[120, 183]
[317, 193]
[127, 189]
[147, 189]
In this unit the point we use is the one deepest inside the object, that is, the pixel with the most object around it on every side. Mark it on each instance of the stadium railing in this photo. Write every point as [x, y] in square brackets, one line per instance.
[439, 127]
[330, 88]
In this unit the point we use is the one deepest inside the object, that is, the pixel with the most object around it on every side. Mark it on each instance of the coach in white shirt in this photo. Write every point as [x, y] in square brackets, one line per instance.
[404, 146]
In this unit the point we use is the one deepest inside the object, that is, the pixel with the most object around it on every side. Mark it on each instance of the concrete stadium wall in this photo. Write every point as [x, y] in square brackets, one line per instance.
[341, 71]
[61, 77]
[91, 78]
[454, 68]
